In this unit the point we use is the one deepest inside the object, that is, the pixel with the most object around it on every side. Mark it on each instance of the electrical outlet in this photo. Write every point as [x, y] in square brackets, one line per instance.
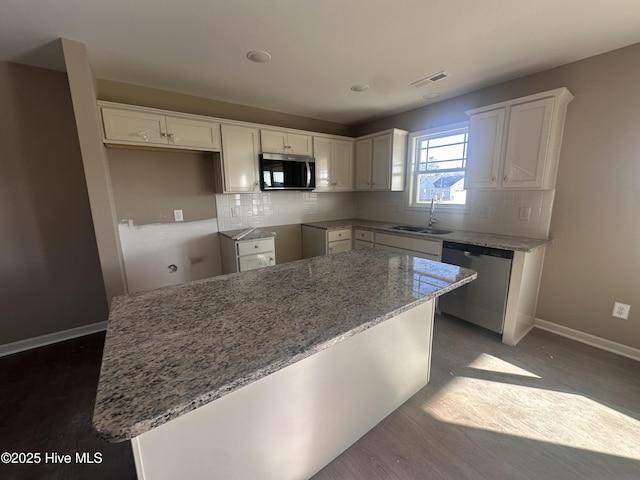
[525, 214]
[177, 216]
[621, 310]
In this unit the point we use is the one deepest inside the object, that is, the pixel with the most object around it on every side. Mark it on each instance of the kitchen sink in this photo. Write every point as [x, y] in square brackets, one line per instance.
[414, 229]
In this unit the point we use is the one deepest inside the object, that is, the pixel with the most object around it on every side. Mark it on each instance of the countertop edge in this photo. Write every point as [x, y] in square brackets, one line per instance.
[504, 242]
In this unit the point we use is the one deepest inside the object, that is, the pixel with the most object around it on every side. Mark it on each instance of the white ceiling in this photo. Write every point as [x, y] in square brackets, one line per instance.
[319, 47]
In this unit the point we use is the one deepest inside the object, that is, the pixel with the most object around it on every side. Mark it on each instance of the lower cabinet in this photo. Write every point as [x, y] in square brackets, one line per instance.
[244, 255]
[362, 239]
[426, 248]
[320, 241]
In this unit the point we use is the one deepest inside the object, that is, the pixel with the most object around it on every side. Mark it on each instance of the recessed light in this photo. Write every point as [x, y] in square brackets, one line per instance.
[259, 56]
[359, 87]
[431, 96]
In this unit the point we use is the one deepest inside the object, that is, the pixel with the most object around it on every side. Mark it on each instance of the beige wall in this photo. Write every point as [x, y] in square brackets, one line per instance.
[148, 185]
[94, 160]
[50, 277]
[151, 97]
[595, 257]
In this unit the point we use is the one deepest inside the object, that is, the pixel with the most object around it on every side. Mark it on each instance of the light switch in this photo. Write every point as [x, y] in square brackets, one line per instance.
[177, 216]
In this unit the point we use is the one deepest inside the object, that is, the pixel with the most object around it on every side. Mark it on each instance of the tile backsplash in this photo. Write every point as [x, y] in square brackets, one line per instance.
[245, 210]
[489, 211]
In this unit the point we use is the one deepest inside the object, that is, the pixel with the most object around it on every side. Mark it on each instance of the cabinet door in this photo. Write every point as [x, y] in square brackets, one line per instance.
[381, 162]
[527, 144]
[361, 245]
[342, 166]
[364, 150]
[323, 148]
[240, 158]
[132, 127]
[284, 142]
[484, 149]
[251, 262]
[299, 144]
[187, 132]
[273, 141]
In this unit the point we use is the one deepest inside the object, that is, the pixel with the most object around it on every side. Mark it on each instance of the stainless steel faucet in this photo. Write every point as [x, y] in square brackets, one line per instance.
[432, 209]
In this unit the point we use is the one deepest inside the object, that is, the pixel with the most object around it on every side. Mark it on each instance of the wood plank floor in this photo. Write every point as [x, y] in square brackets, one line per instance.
[549, 408]
[46, 405]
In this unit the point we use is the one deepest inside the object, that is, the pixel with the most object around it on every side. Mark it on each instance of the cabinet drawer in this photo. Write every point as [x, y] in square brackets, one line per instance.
[333, 235]
[255, 246]
[364, 235]
[432, 247]
[339, 246]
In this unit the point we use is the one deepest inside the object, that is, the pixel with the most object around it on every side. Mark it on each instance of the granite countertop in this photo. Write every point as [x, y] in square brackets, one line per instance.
[255, 234]
[505, 242]
[171, 350]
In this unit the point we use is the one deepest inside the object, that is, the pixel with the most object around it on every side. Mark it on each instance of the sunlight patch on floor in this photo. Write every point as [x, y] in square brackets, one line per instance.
[494, 364]
[535, 413]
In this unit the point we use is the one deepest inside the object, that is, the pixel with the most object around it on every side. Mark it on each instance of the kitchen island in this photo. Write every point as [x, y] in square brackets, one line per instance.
[270, 373]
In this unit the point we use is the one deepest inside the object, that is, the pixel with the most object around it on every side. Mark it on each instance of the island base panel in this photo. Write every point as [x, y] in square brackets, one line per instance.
[292, 423]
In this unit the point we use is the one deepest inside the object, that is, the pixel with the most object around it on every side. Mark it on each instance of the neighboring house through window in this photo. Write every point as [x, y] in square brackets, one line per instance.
[438, 161]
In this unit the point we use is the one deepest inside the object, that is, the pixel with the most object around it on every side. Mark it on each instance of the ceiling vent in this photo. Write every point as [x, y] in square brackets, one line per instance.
[431, 79]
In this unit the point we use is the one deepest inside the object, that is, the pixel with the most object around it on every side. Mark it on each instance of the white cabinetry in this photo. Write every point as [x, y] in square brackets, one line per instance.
[127, 125]
[426, 248]
[334, 164]
[238, 167]
[320, 241]
[362, 239]
[282, 141]
[244, 255]
[380, 160]
[484, 152]
[516, 144]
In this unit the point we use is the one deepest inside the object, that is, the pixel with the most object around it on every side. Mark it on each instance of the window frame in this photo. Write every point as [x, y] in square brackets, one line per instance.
[412, 165]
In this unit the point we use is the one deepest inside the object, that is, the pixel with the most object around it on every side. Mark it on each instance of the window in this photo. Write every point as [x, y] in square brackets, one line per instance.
[438, 161]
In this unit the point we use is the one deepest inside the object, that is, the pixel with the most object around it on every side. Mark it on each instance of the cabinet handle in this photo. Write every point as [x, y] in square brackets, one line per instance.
[256, 246]
[493, 179]
[506, 179]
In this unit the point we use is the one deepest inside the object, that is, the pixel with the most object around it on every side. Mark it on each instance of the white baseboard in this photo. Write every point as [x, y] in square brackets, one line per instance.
[589, 339]
[41, 341]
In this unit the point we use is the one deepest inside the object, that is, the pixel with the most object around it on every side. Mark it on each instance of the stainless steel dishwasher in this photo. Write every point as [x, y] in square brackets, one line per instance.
[484, 300]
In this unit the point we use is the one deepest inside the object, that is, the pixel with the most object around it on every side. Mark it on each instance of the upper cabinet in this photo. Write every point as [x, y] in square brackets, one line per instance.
[380, 160]
[516, 144]
[334, 164]
[238, 164]
[282, 141]
[127, 125]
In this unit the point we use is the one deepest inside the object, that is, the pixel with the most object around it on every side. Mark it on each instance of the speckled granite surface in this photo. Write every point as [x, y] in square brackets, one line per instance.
[171, 350]
[505, 242]
[254, 235]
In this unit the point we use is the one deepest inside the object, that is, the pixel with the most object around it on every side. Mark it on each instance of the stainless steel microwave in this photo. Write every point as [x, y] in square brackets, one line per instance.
[287, 172]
